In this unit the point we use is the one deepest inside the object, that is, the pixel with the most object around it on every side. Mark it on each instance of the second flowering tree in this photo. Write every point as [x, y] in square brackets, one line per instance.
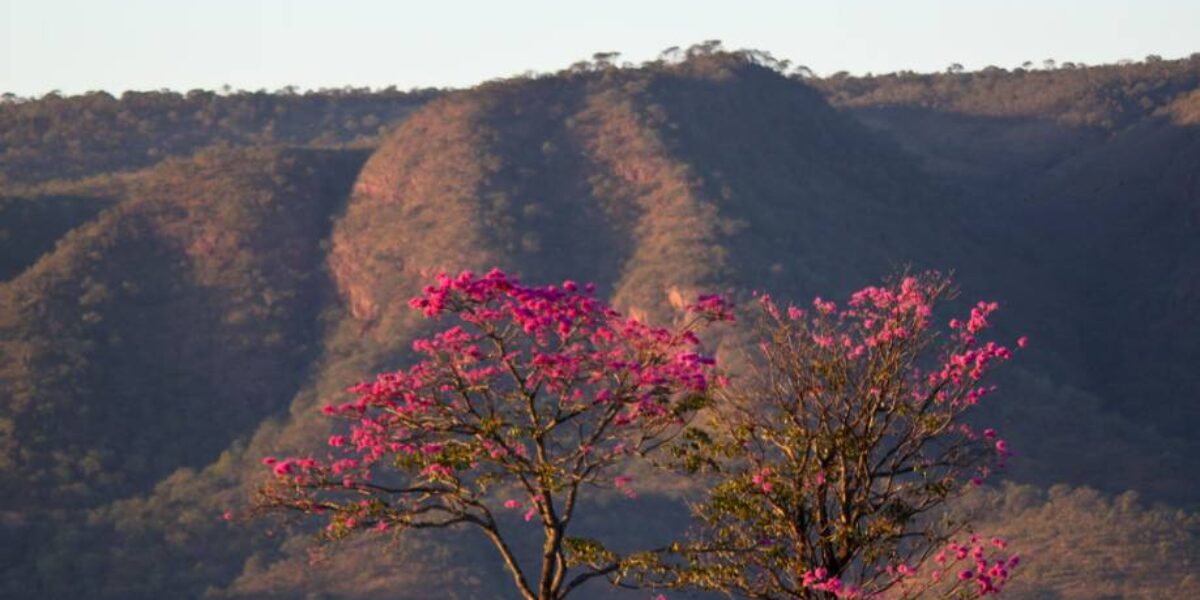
[837, 451]
[527, 399]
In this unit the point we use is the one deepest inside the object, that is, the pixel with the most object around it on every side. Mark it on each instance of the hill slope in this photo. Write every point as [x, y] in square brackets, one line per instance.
[1090, 173]
[193, 300]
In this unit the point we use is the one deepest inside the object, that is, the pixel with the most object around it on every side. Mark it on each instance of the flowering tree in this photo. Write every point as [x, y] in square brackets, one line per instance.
[530, 397]
[837, 449]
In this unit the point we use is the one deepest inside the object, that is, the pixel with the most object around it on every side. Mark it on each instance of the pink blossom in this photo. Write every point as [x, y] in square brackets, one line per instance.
[762, 480]
[713, 307]
[823, 306]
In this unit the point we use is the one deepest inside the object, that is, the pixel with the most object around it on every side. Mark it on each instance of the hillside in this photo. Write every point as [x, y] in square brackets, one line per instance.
[33, 224]
[166, 322]
[1089, 171]
[193, 299]
[1109, 97]
[56, 137]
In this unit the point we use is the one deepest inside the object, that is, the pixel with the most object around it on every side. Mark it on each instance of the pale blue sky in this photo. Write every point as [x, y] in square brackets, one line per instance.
[115, 45]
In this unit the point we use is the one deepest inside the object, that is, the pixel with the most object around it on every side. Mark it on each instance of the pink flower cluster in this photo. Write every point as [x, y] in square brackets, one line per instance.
[875, 316]
[878, 316]
[516, 358]
[819, 579]
[714, 307]
[762, 480]
[969, 570]
[976, 561]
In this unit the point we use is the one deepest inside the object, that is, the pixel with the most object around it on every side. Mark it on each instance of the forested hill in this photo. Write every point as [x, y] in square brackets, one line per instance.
[56, 137]
[1107, 97]
[1094, 170]
[183, 278]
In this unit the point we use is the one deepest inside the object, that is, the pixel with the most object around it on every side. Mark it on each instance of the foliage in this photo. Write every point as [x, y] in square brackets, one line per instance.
[203, 272]
[1104, 96]
[836, 453]
[30, 226]
[533, 396]
[56, 137]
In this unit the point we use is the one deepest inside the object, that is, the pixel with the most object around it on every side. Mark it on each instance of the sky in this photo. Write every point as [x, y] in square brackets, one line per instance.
[76, 46]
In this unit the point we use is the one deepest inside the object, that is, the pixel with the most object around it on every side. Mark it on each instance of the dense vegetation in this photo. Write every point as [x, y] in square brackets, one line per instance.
[56, 137]
[184, 278]
[31, 225]
[1105, 96]
[207, 273]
